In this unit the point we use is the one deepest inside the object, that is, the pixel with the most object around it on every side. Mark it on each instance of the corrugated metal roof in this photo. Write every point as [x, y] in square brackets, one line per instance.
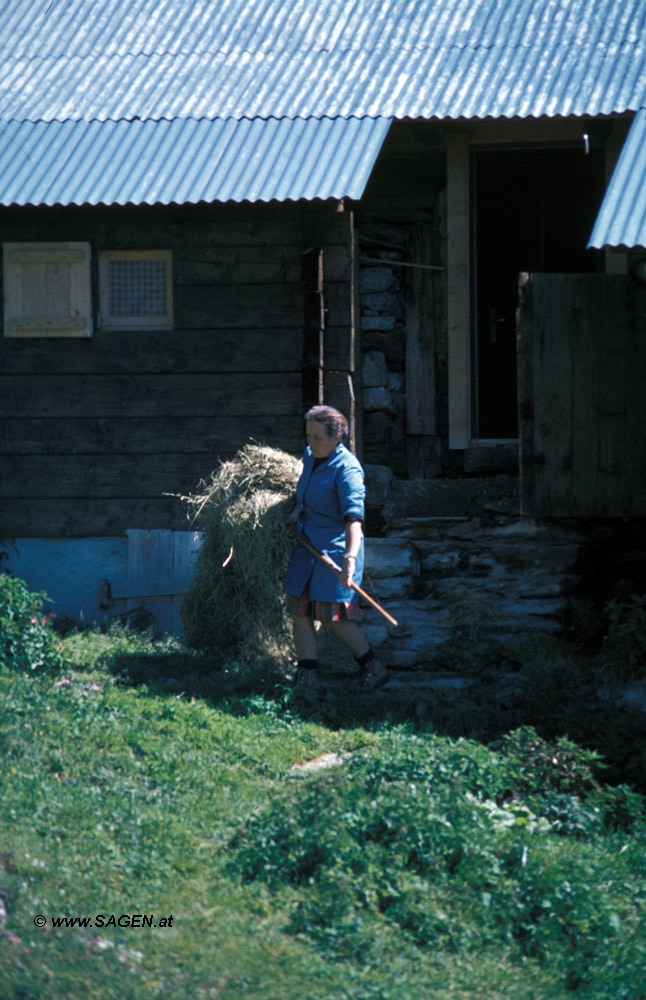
[186, 161]
[92, 61]
[622, 218]
[115, 59]
[77, 27]
[448, 82]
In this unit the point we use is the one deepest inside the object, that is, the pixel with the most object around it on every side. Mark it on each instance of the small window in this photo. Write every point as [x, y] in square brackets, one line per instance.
[47, 290]
[135, 289]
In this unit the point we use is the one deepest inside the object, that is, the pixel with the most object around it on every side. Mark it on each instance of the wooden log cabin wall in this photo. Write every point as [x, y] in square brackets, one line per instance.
[401, 230]
[100, 432]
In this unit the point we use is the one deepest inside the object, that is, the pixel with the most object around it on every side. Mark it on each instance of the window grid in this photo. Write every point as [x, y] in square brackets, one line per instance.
[137, 288]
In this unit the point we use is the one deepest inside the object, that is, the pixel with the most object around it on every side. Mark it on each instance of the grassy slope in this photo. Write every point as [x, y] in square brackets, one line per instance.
[130, 799]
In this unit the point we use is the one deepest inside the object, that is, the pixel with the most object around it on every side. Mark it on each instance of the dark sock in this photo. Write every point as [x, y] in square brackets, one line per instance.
[366, 657]
[308, 664]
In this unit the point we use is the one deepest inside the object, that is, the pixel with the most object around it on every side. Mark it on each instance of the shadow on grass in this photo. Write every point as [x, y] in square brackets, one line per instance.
[555, 697]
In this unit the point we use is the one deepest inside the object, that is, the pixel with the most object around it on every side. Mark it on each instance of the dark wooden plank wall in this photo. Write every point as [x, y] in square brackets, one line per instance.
[96, 432]
[582, 380]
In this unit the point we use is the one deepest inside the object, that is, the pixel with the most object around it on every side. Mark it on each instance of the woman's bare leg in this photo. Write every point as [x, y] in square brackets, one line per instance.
[304, 637]
[307, 652]
[350, 634]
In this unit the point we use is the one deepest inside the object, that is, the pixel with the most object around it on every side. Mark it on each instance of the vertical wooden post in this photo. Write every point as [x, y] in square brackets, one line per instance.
[636, 399]
[313, 327]
[616, 258]
[341, 312]
[422, 442]
[356, 427]
[459, 293]
[525, 344]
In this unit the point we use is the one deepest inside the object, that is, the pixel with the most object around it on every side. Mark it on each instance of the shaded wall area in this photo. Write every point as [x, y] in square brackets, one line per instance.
[100, 433]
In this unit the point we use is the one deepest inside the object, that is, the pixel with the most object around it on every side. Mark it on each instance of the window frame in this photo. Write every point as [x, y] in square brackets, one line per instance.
[71, 258]
[108, 322]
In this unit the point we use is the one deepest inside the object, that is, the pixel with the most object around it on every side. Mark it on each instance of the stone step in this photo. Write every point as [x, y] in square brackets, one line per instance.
[441, 578]
[483, 530]
[421, 626]
[392, 567]
[424, 625]
[387, 557]
[467, 496]
[501, 688]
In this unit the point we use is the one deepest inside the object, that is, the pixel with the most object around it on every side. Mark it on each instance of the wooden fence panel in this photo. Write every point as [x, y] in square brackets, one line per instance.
[582, 369]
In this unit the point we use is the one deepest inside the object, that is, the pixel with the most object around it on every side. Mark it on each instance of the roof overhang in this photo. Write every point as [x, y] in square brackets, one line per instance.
[186, 161]
[622, 217]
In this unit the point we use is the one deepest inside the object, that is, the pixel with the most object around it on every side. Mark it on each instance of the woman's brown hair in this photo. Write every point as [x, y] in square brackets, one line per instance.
[332, 420]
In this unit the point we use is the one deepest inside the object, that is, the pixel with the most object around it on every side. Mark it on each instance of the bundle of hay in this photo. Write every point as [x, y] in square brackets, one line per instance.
[235, 605]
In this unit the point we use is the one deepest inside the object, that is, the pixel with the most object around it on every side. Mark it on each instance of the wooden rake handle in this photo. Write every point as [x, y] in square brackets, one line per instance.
[305, 542]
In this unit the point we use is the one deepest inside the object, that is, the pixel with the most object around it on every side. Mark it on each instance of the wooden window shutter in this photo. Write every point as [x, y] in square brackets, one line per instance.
[47, 290]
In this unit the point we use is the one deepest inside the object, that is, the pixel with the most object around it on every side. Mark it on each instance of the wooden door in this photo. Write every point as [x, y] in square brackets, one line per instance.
[582, 395]
[534, 210]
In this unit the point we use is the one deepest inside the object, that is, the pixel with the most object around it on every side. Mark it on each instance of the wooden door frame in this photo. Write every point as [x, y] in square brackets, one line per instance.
[458, 267]
[459, 142]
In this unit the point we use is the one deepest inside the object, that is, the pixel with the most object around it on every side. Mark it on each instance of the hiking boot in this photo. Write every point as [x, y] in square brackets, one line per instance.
[374, 675]
[310, 680]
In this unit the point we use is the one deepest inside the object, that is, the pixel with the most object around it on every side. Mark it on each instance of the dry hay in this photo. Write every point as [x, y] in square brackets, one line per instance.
[235, 605]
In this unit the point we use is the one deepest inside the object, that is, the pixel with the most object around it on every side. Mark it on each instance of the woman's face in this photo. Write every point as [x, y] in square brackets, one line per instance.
[317, 438]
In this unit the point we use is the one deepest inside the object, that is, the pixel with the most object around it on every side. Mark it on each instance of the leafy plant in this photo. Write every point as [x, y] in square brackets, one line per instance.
[533, 764]
[624, 652]
[27, 641]
[571, 817]
[555, 680]
[408, 841]
[420, 865]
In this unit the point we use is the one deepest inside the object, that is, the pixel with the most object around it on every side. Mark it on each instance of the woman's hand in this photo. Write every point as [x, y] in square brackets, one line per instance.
[353, 533]
[290, 523]
[347, 572]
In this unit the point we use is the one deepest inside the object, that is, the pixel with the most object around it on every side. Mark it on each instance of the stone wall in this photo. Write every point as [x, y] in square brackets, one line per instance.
[501, 577]
[383, 340]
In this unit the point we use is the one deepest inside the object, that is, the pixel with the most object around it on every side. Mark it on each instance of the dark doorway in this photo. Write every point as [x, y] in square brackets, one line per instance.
[534, 210]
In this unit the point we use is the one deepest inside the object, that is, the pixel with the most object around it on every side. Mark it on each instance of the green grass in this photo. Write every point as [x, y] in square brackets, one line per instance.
[430, 863]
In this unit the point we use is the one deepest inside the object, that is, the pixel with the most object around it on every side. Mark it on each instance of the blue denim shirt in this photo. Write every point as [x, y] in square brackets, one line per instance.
[326, 498]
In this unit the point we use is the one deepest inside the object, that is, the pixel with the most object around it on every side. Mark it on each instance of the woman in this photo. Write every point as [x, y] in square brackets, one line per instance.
[329, 512]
